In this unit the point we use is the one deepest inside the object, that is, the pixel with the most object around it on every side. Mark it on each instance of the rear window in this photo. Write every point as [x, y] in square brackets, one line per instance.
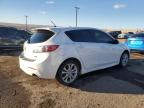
[41, 36]
[138, 35]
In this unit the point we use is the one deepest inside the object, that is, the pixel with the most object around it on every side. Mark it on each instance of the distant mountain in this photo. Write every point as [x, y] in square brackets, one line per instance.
[20, 26]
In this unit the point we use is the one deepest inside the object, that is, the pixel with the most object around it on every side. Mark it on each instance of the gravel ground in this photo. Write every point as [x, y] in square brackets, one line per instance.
[109, 88]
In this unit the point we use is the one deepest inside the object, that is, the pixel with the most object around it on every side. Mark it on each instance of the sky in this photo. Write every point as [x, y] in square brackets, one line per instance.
[116, 14]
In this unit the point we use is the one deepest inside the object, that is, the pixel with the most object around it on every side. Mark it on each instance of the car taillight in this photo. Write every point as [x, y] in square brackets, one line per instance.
[49, 48]
[46, 48]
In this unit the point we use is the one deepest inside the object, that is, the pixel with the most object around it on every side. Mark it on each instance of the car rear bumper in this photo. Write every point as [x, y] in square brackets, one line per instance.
[42, 70]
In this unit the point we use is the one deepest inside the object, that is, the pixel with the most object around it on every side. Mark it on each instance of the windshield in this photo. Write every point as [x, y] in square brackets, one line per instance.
[40, 36]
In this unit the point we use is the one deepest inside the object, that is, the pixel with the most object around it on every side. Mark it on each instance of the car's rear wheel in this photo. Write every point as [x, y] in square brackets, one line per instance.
[124, 59]
[68, 72]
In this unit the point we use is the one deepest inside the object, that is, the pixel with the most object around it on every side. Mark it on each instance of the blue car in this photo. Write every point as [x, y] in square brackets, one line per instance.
[136, 42]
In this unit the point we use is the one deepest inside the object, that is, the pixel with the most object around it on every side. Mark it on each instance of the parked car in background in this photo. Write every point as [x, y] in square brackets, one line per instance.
[123, 36]
[136, 42]
[12, 39]
[131, 33]
[115, 34]
[66, 53]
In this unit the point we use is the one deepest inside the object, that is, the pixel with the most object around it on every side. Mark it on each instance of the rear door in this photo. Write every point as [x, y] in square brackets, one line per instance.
[89, 51]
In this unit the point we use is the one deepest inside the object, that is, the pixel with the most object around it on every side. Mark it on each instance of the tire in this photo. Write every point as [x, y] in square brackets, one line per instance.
[141, 52]
[68, 72]
[124, 59]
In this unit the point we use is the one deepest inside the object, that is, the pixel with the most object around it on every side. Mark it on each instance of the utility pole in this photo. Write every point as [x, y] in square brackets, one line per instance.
[77, 8]
[26, 23]
[26, 26]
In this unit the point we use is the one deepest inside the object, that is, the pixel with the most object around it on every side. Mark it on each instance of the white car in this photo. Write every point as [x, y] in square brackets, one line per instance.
[123, 36]
[66, 53]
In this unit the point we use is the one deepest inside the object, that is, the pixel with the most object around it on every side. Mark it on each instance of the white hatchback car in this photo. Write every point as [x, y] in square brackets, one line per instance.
[66, 53]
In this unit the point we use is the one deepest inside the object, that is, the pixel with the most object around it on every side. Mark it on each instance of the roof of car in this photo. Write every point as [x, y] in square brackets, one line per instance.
[56, 29]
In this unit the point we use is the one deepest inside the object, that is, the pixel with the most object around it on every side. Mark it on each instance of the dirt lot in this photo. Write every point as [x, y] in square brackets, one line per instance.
[109, 88]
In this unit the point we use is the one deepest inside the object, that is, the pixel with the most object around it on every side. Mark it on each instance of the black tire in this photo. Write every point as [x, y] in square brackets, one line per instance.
[59, 73]
[141, 52]
[121, 64]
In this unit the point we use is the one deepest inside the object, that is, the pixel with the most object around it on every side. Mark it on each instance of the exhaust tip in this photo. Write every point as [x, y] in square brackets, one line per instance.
[34, 75]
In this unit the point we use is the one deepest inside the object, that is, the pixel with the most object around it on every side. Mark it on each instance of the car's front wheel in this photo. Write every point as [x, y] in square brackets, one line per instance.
[124, 59]
[68, 72]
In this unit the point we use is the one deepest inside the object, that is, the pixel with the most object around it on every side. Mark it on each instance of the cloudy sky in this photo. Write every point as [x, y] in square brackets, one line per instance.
[92, 13]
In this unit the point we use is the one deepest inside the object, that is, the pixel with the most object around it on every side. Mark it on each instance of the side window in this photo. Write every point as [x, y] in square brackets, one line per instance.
[80, 36]
[101, 37]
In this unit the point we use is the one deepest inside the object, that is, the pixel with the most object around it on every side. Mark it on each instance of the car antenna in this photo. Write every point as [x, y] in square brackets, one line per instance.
[53, 23]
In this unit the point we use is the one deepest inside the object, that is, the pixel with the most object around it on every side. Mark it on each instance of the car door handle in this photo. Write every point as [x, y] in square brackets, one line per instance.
[80, 46]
